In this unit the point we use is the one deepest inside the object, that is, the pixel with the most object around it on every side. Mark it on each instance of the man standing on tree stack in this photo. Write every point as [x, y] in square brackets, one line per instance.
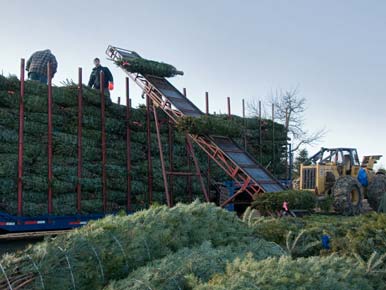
[94, 81]
[37, 65]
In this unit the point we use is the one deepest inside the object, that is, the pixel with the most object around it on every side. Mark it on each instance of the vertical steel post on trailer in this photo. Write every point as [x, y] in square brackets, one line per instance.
[119, 101]
[128, 145]
[273, 138]
[189, 181]
[103, 140]
[171, 152]
[245, 126]
[229, 107]
[164, 175]
[208, 157]
[20, 142]
[149, 161]
[260, 136]
[80, 161]
[290, 163]
[49, 143]
[207, 103]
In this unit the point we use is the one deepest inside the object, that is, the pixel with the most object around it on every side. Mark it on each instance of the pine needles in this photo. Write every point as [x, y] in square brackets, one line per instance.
[114, 247]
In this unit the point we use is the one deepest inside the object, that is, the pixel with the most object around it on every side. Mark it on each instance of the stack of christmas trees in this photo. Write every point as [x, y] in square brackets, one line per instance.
[65, 140]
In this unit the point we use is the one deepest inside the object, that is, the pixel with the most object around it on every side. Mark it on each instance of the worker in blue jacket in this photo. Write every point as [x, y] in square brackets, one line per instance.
[94, 81]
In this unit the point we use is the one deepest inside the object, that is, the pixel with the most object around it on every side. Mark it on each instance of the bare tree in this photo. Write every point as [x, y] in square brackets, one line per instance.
[289, 109]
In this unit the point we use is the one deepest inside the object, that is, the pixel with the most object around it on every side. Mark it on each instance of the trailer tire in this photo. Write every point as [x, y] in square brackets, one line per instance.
[375, 191]
[347, 196]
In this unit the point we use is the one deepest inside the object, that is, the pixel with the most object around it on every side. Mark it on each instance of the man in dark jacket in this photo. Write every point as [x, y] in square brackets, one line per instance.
[94, 81]
[37, 65]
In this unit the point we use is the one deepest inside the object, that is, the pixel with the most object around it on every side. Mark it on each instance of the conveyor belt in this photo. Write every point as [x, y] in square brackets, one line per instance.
[237, 163]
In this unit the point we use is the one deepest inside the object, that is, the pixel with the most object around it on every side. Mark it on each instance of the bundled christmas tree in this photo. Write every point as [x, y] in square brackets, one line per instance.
[148, 67]
[210, 125]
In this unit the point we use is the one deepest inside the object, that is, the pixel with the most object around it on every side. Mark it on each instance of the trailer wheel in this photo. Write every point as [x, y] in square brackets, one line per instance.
[375, 191]
[347, 196]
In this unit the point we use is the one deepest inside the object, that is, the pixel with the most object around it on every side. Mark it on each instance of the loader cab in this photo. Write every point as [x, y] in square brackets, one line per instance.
[346, 160]
[325, 167]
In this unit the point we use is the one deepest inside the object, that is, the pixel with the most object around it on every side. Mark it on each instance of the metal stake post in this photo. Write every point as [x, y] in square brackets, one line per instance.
[171, 152]
[80, 116]
[208, 157]
[128, 145]
[245, 126]
[49, 147]
[260, 136]
[103, 139]
[189, 181]
[229, 107]
[273, 138]
[21, 142]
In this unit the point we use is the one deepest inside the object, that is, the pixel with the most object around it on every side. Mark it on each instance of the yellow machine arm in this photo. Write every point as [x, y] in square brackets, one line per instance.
[370, 160]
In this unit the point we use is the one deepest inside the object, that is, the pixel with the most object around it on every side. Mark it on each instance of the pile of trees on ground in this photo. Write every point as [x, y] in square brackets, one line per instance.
[201, 246]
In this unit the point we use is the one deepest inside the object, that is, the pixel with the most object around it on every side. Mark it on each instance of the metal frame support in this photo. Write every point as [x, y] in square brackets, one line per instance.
[208, 157]
[49, 143]
[168, 175]
[260, 136]
[149, 161]
[103, 141]
[171, 152]
[80, 160]
[229, 107]
[20, 142]
[206, 103]
[198, 173]
[128, 144]
[245, 126]
[164, 175]
[189, 177]
[189, 163]
[273, 138]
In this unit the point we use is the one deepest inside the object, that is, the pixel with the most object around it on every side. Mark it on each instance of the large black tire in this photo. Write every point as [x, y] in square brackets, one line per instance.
[375, 191]
[347, 196]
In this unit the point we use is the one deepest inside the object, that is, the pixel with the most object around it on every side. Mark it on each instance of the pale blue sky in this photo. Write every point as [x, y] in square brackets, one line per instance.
[334, 51]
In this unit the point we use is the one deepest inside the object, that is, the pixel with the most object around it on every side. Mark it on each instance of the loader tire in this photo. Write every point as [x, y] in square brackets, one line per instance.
[375, 191]
[347, 196]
